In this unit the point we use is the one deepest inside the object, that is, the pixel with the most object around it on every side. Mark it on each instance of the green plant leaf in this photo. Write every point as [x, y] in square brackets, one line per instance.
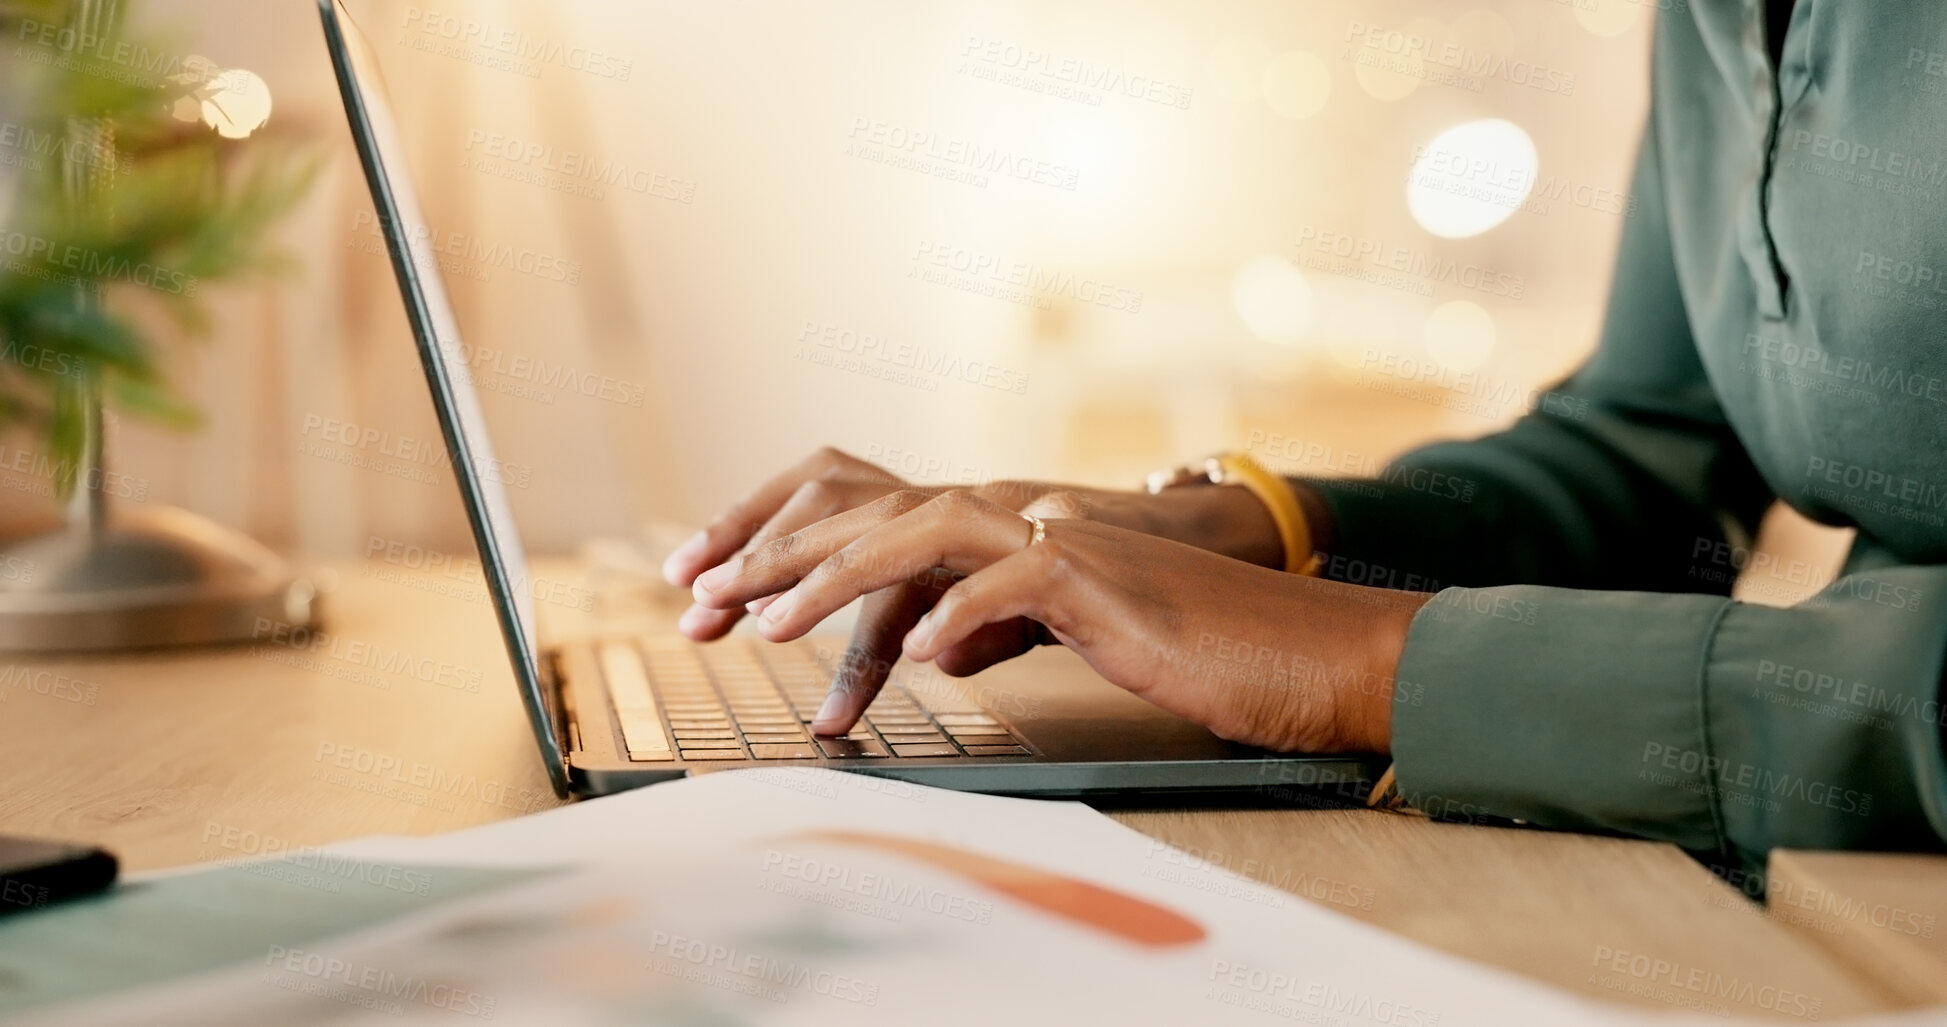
[174, 207]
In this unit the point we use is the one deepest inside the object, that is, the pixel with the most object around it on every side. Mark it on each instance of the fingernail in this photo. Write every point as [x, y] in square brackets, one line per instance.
[691, 618]
[682, 554]
[714, 578]
[780, 607]
[922, 633]
[833, 708]
[757, 606]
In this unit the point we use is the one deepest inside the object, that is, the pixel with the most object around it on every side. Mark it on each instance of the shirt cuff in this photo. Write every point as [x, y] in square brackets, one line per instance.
[1570, 709]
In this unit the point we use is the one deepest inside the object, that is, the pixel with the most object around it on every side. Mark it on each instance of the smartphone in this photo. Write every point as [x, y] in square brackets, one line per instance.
[35, 873]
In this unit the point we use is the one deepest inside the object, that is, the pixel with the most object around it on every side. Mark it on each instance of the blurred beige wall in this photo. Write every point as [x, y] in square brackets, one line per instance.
[1195, 235]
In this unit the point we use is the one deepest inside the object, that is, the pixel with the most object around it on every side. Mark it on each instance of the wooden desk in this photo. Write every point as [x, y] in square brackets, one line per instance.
[1884, 915]
[402, 719]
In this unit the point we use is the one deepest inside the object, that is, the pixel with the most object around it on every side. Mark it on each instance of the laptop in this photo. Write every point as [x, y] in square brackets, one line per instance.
[611, 713]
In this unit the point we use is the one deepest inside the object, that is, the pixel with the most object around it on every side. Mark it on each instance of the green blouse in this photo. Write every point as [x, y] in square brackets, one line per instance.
[1777, 329]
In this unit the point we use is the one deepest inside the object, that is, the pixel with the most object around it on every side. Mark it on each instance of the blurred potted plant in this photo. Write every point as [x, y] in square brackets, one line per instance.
[123, 172]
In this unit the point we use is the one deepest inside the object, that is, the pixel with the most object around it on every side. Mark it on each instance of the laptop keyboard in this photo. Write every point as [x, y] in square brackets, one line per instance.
[737, 700]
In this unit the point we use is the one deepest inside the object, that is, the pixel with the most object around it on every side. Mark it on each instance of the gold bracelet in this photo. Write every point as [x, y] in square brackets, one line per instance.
[1278, 498]
[1235, 468]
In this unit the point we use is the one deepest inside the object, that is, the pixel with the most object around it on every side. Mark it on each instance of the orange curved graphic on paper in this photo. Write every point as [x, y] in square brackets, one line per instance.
[1127, 917]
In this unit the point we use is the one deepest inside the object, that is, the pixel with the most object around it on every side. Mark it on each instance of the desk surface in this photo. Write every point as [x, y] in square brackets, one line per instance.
[402, 719]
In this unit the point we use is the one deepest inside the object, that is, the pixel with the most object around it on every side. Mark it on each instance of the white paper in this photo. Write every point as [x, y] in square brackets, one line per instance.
[726, 899]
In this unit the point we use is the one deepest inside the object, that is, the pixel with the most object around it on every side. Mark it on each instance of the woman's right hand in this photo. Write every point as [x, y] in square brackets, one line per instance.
[1229, 521]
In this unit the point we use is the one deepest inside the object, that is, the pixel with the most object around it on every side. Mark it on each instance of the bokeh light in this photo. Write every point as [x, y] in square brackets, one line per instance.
[1273, 299]
[1460, 335]
[1471, 177]
[1608, 17]
[1390, 64]
[1236, 64]
[1297, 84]
[1482, 34]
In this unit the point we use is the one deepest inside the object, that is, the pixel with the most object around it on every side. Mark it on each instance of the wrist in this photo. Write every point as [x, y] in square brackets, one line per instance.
[1225, 520]
[1368, 723]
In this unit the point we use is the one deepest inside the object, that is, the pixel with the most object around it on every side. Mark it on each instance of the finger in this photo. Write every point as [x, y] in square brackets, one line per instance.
[954, 533]
[1058, 504]
[990, 644]
[702, 624]
[883, 622]
[779, 563]
[733, 530]
[1018, 586]
[812, 502]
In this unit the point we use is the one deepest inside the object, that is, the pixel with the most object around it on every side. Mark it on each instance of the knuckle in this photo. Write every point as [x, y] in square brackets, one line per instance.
[1009, 492]
[1058, 560]
[961, 503]
[903, 500]
[859, 669]
[778, 550]
[835, 464]
[836, 566]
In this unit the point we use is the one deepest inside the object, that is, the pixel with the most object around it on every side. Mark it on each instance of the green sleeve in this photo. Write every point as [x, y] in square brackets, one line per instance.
[1616, 688]
[1727, 728]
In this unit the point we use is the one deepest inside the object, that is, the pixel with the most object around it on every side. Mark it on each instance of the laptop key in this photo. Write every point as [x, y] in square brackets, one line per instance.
[635, 704]
[926, 749]
[709, 743]
[911, 738]
[685, 734]
[978, 732]
[757, 738]
[844, 748]
[802, 751]
[996, 750]
[713, 754]
[969, 741]
[952, 719]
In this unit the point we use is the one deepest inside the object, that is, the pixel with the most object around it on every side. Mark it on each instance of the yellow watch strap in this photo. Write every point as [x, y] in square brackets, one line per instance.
[1278, 498]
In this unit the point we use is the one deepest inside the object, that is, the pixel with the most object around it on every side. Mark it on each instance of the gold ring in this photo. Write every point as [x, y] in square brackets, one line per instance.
[1037, 528]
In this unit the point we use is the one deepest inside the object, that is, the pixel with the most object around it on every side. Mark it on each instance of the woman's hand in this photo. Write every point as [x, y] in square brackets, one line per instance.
[827, 483]
[1259, 656]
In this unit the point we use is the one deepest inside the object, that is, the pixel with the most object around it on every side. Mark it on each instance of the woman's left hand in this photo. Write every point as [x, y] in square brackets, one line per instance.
[1259, 656]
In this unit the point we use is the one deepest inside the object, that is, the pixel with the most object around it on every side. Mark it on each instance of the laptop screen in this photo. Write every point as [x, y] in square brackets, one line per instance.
[437, 332]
